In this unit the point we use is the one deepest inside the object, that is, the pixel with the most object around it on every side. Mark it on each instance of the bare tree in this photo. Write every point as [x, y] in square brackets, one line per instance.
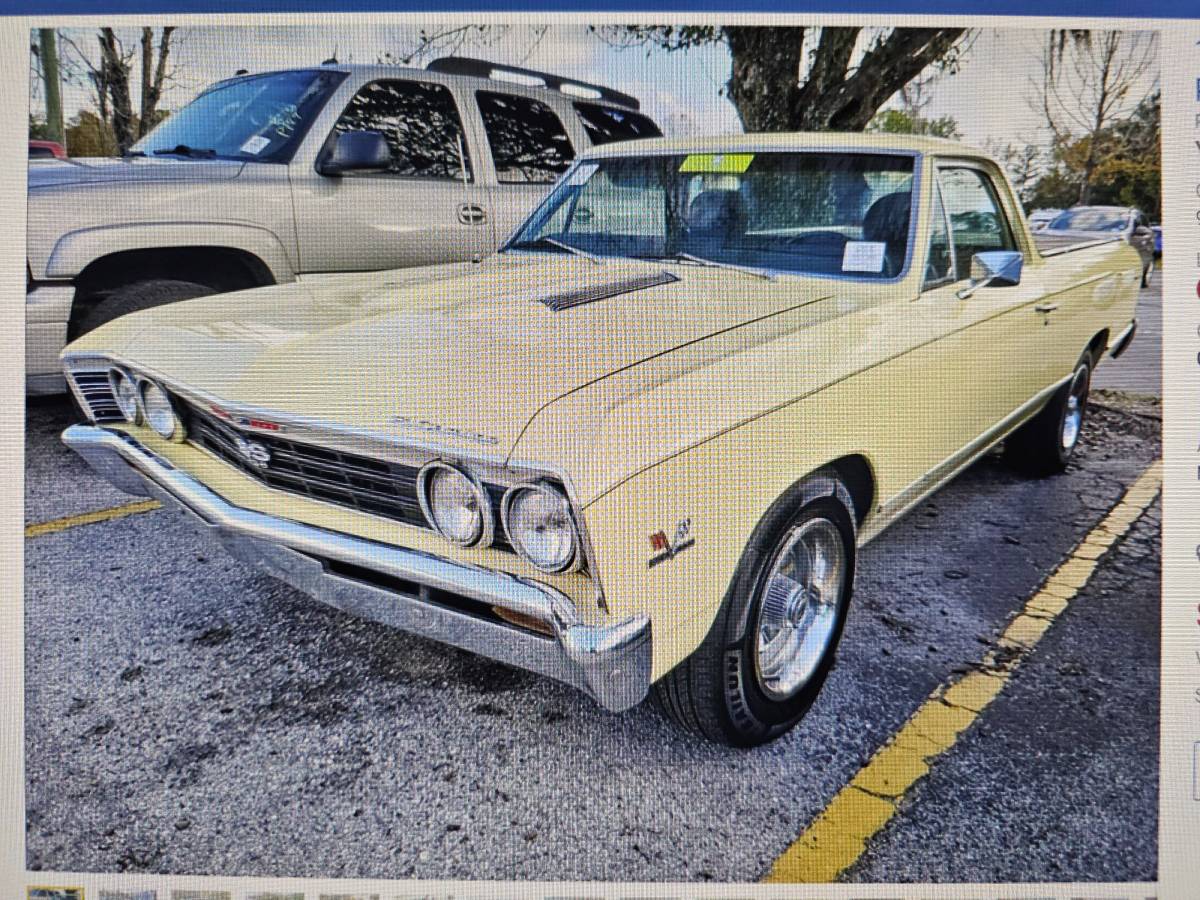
[802, 78]
[1086, 81]
[453, 40]
[1023, 161]
[154, 75]
[110, 77]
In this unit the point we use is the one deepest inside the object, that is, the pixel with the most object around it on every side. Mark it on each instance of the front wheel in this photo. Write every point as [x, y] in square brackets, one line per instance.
[1045, 444]
[136, 297]
[773, 643]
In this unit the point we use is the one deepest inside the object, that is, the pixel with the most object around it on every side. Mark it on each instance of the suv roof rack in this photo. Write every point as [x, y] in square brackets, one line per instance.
[481, 68]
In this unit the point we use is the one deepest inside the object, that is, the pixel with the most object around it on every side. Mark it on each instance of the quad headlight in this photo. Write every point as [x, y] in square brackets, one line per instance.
[537, 518]
[455, 504]
[125, 393]
[159, 411]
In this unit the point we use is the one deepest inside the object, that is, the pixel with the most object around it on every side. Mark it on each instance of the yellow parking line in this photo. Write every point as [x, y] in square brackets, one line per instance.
[838, 836]
[90, 518]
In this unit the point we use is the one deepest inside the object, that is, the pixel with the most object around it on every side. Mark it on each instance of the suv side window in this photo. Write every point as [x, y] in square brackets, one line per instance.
[528, 141]
[421, 124]
[605, 124]
[977, 220]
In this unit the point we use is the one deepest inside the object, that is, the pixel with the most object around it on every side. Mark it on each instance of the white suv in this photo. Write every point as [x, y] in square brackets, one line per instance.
[271, 177]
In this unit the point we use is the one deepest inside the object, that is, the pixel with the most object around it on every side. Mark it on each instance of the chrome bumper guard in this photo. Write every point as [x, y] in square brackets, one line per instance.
[611, 663]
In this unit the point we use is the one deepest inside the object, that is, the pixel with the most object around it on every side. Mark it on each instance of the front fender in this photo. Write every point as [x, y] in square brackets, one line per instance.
[724, 490]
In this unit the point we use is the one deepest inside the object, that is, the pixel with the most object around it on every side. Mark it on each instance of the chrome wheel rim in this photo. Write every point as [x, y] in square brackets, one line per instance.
[799, 607]
[1073, 417]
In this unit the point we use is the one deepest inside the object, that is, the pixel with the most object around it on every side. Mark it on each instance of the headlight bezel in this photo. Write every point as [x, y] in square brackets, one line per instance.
[176, 433]
[487, 514]
[117, 374]
[548, 488]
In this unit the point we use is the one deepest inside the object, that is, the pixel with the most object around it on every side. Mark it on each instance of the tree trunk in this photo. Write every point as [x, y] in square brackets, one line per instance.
[764, 82]
[48, 50]
[154, 73]
[765, 61]
[114, 70]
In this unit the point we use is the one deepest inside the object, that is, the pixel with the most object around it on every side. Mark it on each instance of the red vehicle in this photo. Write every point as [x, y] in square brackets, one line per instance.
[47, 150]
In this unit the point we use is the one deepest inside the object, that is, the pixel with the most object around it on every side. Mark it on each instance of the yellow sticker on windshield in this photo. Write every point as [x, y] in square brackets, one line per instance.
[721, 163]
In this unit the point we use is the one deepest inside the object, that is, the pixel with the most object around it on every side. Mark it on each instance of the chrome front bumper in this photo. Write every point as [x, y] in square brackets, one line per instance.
[609, 662]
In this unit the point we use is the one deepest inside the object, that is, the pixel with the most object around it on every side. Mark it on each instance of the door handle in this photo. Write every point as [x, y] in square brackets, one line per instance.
[1046, 307]
[472, 214]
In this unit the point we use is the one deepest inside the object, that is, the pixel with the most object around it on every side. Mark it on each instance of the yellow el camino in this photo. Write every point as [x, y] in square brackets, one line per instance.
[641, 445]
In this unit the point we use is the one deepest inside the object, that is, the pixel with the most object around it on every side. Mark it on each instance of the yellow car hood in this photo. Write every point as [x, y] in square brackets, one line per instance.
[466, 352]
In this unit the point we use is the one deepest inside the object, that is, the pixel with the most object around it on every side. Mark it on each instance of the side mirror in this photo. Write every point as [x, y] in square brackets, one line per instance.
[994, 268]
[356, 151]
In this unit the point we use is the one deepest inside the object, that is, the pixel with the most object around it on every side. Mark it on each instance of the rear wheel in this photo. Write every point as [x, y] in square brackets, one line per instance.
[774, 640]
[1045, 444]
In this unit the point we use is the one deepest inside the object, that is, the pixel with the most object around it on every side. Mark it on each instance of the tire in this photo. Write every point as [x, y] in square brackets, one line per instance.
[732, 689]
[1146, 273]
[134, 298]
[1045, 444]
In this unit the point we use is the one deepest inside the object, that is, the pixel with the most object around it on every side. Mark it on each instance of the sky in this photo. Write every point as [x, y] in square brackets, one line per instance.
[988, 96]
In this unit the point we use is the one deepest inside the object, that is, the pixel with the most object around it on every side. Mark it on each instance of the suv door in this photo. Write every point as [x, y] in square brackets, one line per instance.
[427, 208]
[529, 148]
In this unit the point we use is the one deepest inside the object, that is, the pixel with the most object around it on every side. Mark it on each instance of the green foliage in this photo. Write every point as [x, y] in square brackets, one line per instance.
[39, 130]
[1128, 171]
[88, 135]
[899, 121]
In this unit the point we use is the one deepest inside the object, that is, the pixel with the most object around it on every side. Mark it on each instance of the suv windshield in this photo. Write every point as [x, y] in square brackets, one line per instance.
[1091, 220]
[260, 117]
[843, 214]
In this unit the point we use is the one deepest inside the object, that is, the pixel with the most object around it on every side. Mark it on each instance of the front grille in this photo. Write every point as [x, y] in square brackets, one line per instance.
[361, 483]
[97, 394]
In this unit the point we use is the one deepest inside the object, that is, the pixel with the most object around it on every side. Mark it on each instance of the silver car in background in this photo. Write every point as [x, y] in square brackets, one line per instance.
[1080, 224]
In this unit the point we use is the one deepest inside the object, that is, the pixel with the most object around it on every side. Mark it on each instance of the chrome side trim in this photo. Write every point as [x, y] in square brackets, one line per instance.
[953, 466]
[1124, 339]
[610, 662]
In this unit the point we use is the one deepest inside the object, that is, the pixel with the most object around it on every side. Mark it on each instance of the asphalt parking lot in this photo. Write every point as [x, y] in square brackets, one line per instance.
[187, 715]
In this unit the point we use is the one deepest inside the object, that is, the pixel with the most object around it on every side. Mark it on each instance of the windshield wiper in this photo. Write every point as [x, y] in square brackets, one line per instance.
[717, 264]
[130, 153]
[185, 150]
[554, 242]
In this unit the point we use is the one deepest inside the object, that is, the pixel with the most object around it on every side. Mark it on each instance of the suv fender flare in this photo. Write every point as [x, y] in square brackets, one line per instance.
[76, 250]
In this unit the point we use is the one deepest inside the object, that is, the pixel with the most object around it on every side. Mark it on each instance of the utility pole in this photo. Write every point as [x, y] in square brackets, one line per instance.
[49, 54]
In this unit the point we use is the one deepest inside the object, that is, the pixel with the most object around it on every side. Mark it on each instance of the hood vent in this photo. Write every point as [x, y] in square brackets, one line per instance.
[592, 293]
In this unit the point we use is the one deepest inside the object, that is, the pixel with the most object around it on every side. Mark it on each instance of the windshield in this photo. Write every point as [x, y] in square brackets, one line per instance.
[1091, 220]
[803, 212]
[261, 117]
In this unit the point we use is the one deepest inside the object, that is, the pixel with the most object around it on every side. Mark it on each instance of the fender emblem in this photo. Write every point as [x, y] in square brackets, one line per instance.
[670, 548]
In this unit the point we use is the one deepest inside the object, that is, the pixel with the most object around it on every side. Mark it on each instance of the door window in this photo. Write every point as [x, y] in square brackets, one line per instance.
[421, 124]
[528, 141]
[977, 220]
[605, 124]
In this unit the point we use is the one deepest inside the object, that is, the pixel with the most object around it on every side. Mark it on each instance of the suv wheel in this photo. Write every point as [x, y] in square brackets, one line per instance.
[135, 297]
